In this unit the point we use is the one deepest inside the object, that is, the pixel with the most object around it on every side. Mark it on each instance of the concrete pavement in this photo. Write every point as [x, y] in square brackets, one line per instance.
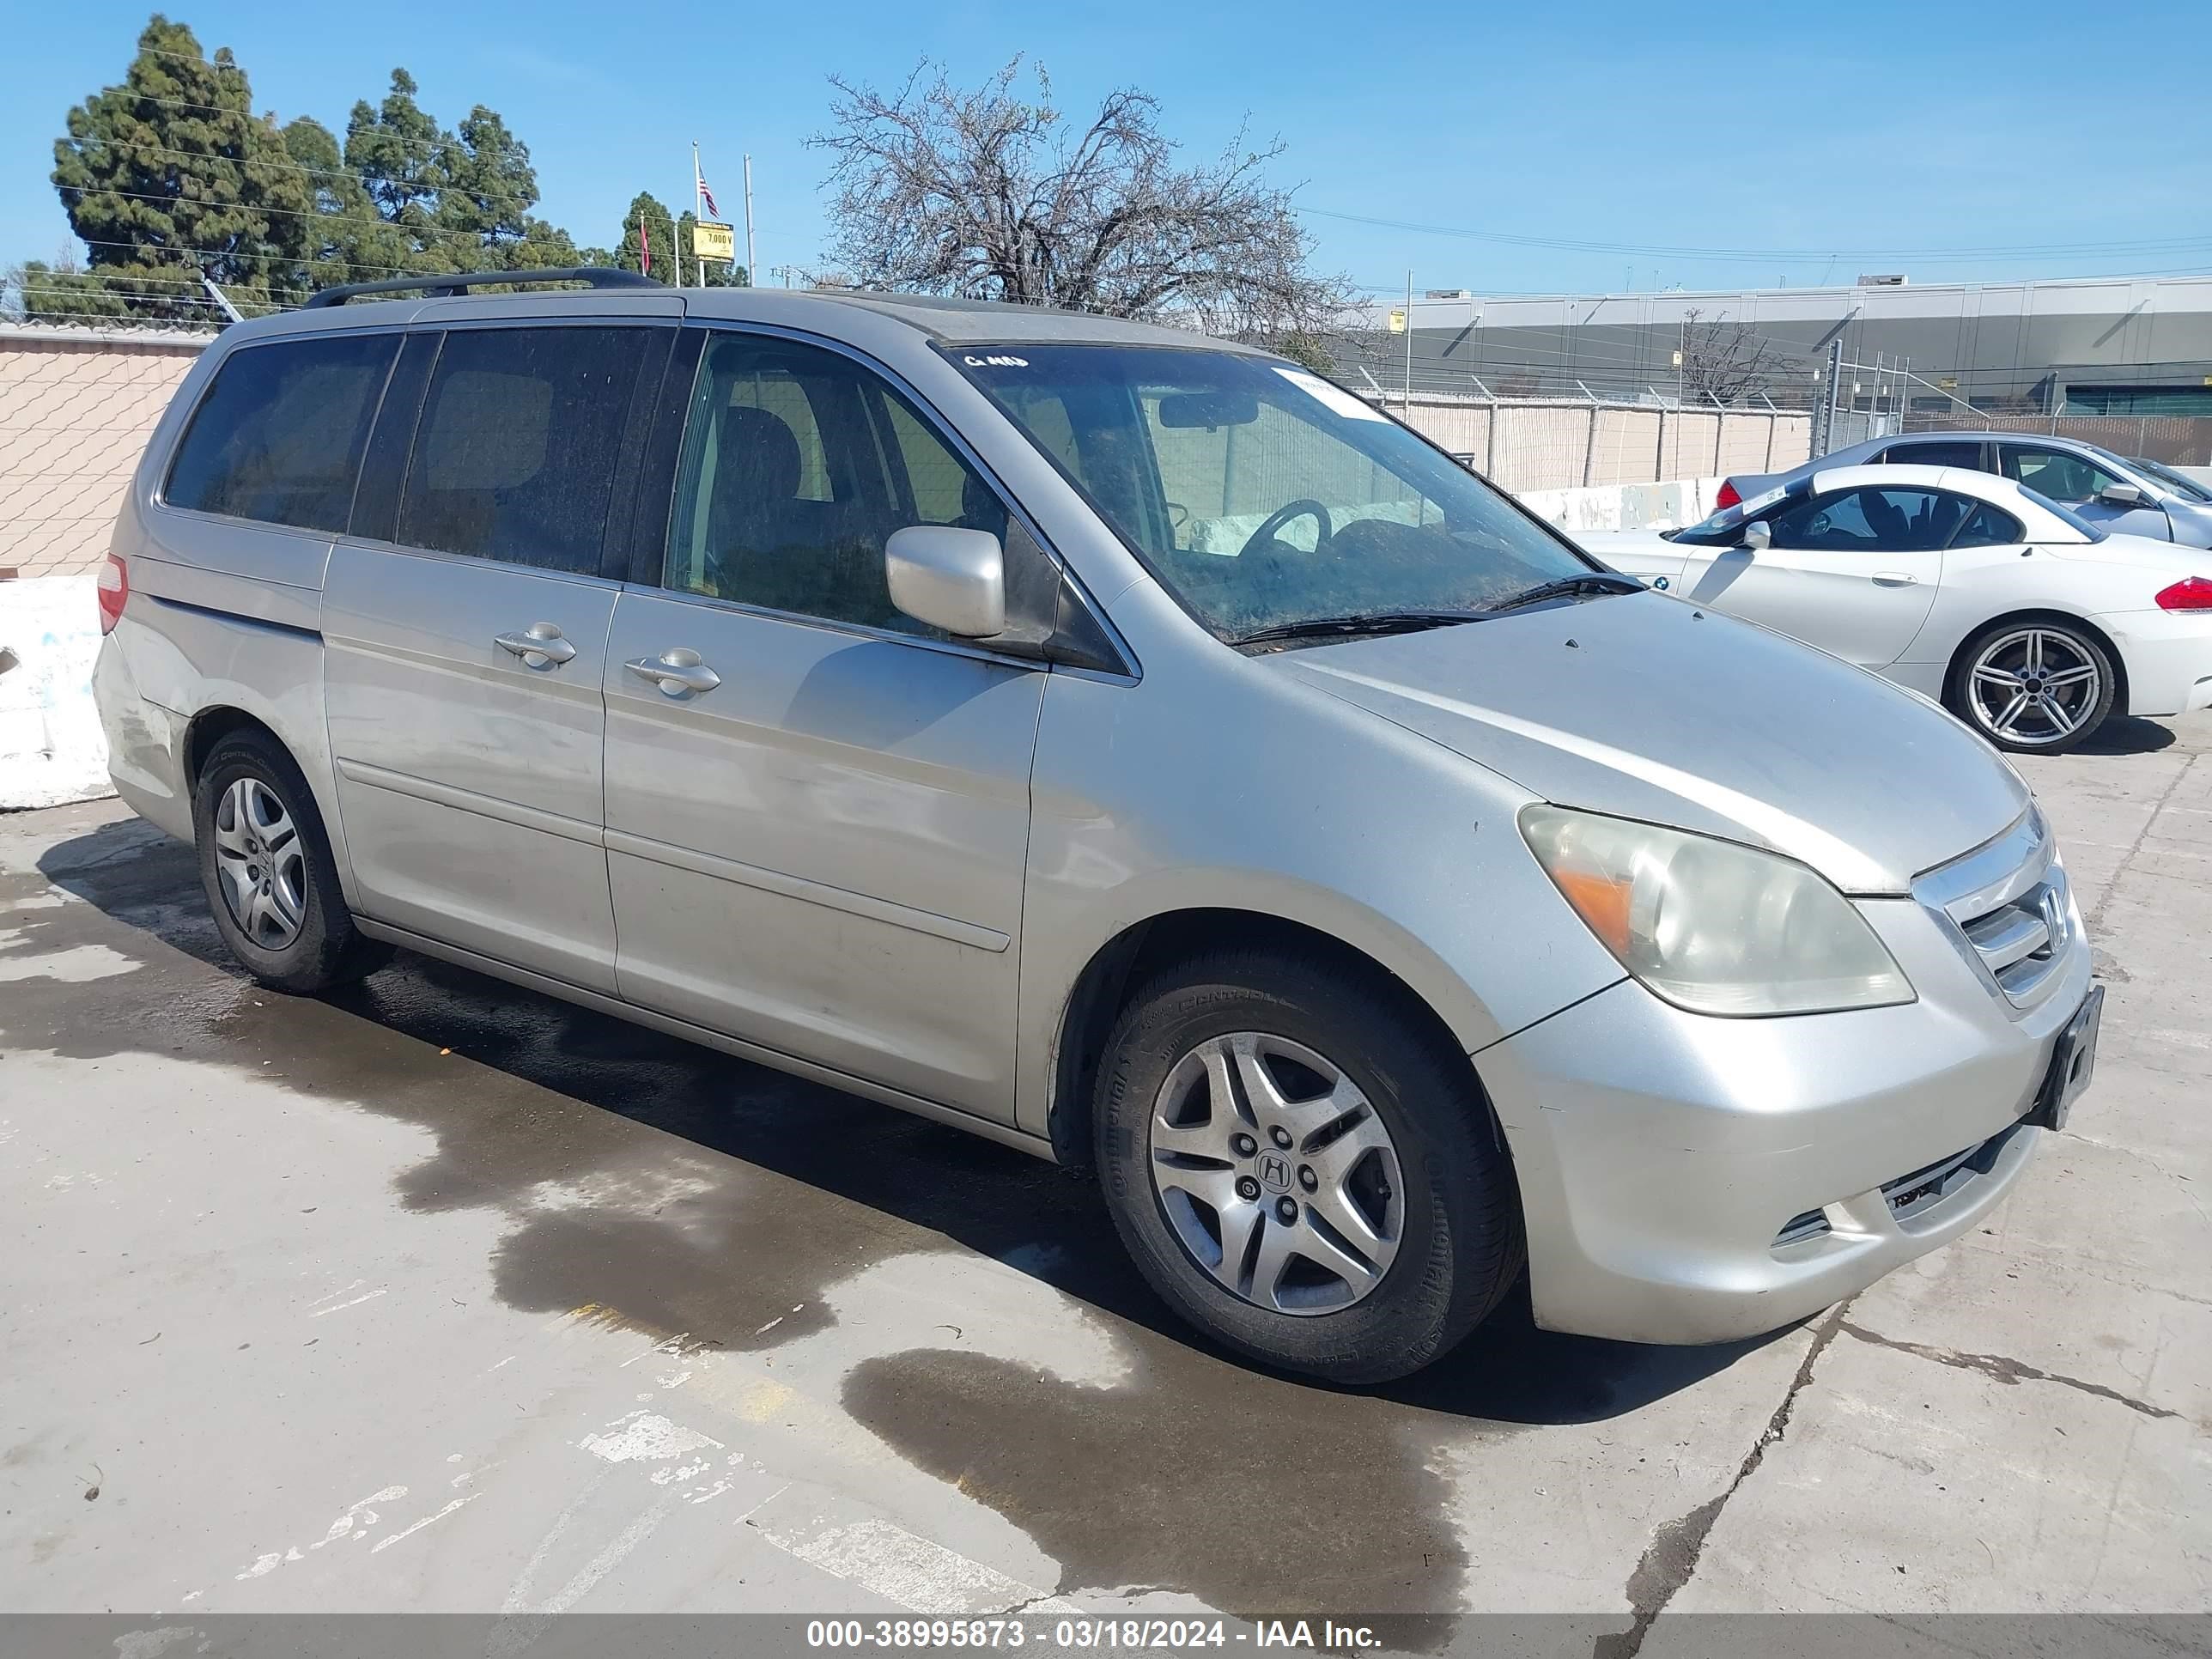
[440, 1296]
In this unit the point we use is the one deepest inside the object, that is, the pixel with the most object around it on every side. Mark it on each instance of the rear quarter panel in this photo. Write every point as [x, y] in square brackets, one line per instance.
[223, 614]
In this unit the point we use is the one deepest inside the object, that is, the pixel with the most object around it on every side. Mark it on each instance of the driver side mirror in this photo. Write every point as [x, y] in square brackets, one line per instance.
[1757, 536]
[2121, 494]
[949, 578]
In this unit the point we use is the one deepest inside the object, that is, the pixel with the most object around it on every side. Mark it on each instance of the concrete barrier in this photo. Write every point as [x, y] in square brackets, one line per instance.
[52, 748]
[1625, 507]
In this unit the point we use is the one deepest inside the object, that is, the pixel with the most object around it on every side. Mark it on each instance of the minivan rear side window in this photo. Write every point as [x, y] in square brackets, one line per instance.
[278, 437]
[1937, 452]
[516, 450]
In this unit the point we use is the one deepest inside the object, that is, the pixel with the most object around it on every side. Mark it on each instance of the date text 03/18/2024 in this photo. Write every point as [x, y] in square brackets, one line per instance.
[1107, 1635]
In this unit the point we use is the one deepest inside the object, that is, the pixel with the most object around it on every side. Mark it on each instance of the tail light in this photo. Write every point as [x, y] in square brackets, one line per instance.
[1729, 496]
[2191, 594]
[115, 590]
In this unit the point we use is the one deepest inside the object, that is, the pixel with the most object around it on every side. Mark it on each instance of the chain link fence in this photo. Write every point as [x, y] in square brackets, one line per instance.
[1559, 443]
[76, 406]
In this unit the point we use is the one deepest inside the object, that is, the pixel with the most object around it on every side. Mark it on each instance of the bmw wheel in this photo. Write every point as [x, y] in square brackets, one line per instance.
[2034, 686]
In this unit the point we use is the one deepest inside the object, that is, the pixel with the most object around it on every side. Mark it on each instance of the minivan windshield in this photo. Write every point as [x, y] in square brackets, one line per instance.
[1268, 500]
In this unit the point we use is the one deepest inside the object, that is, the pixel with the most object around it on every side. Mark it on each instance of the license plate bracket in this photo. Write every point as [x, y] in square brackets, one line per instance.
[2073, 1063]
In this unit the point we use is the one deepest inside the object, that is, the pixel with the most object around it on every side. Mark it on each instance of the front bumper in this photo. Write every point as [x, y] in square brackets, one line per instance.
[1662, 1155]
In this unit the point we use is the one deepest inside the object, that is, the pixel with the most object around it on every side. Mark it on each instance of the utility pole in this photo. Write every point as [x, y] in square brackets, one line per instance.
[1681, 359]
[1823, 425]
[1409, 348]
[751, 269]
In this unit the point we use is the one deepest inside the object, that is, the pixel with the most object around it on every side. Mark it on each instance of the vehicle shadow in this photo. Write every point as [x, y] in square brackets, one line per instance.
[1049, 1223]
[2129, 735]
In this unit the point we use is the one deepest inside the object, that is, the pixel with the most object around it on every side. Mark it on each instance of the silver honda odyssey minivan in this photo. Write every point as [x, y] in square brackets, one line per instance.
[1126, 745]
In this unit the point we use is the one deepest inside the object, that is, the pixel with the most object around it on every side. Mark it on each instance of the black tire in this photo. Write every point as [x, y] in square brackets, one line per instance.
[2092, 712]
[1459, 1243]
[325, 950]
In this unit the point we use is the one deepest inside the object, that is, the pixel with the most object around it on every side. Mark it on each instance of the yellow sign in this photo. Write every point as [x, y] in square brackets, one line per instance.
[1397, 320]
[712, 242]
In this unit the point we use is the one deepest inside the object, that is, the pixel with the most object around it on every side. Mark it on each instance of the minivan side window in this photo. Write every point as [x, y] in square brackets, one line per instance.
[798, 464]
[1939, 452]
[278, 437]
[516, 449]
[2057, 473]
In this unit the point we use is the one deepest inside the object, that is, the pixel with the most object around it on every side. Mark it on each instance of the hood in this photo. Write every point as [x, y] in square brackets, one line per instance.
[1644, 707]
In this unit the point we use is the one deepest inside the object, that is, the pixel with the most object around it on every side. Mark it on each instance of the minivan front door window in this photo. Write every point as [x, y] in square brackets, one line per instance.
[1264, 497]
[798, 467]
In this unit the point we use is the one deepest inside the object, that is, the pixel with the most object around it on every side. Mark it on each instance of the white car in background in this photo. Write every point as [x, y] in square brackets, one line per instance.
[2025, 621]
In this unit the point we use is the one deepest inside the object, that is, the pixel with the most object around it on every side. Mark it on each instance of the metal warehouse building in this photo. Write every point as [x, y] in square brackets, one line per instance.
[2114, 346]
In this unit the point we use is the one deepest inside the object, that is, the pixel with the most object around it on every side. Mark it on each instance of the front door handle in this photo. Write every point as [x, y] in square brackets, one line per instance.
[678, 673]
[1895, 579]
[539, 645]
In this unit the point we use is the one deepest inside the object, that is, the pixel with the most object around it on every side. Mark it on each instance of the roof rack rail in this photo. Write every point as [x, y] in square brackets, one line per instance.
[449, 287]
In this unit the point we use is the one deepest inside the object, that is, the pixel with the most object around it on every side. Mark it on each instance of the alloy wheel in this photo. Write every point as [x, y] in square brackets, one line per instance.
[2034, 686]
[261, 863]
[1276, 1173]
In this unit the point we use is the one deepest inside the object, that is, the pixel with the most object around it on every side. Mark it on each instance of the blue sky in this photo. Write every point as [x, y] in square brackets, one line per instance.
[1799, 143]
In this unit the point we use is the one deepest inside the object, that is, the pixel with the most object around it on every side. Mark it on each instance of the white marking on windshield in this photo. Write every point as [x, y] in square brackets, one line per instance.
[1334, 398]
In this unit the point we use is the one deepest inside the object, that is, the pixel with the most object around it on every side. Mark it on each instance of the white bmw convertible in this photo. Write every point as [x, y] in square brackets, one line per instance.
[2025, 621]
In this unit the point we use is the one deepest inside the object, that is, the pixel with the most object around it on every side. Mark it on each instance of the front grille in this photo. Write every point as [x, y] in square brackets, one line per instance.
[1913, 1192]
[2008, 905]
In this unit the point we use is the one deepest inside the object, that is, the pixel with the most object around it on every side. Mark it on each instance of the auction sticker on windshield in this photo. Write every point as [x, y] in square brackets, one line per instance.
[1334, 398]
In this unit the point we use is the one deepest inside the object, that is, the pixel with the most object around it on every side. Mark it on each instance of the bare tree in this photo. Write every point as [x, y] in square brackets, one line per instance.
[1722, 361]
[980, 193]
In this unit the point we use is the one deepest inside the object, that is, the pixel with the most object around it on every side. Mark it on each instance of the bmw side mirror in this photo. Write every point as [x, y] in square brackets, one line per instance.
[2121, 494]
[1757, 536]
[948, 578]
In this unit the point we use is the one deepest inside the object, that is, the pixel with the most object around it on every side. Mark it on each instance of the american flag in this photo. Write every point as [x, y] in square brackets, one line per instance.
[706, 195]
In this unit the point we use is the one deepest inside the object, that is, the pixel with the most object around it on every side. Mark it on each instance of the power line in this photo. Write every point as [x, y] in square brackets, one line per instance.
[365, 180]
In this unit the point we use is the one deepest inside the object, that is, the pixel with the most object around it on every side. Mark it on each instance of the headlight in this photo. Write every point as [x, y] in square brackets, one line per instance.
[1713, 927]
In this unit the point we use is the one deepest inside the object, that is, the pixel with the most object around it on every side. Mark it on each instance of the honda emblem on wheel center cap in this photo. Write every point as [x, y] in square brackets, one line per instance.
[1275, 1171]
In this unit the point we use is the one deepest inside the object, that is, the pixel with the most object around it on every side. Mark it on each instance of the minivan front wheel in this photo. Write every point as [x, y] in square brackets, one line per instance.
[2034, 687]
[1303, 1171]
[266, 865]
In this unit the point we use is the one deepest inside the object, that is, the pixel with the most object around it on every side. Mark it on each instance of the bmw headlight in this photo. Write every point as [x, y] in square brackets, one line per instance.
[1712, 926]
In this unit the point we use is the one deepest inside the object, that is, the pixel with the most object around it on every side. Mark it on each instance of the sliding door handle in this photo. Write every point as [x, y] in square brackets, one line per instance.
[678, 673]
[539, 645]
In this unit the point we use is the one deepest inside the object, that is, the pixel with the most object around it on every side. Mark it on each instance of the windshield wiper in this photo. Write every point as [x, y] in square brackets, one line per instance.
[1371, 622]
[1591, 584]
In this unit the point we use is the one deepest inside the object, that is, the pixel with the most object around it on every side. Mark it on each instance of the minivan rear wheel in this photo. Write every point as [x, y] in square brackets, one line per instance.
[1302, 1169]
[266, 865]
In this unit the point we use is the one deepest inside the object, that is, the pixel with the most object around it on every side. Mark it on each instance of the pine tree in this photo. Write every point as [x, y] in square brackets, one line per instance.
[660, 238]
[170, 174]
